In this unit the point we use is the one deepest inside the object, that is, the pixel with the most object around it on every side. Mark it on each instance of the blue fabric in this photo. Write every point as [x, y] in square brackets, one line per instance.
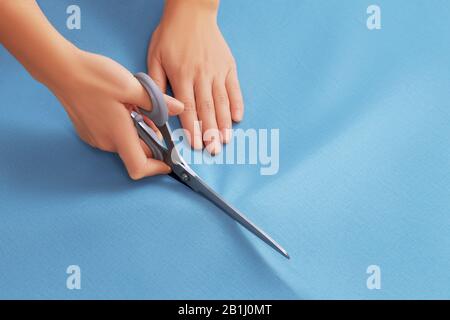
[364, 119]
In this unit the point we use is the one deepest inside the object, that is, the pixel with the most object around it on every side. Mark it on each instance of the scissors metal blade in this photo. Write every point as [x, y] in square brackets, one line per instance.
[187, 176]
[184, 174]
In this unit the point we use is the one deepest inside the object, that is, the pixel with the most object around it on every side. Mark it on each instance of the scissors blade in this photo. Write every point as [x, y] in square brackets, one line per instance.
[192, 180]
[184, 174]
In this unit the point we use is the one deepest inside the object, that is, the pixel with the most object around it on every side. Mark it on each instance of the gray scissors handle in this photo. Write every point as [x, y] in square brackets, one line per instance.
[160, 113]
[150, 138]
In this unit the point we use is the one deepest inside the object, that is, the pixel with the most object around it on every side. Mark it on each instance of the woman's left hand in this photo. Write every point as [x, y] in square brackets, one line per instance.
[188, 49]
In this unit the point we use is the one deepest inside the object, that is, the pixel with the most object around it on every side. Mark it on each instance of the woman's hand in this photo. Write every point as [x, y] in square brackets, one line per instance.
[188, 48]
[96, 92]
[98, 95]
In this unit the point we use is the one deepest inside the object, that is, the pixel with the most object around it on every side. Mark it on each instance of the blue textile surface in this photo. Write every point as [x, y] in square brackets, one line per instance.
[364, 177]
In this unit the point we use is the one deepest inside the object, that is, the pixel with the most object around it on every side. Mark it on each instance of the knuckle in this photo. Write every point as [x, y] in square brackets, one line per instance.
[135, 173]
[206, 105]
[237, 105]
[189, 106]
[201, 69]
[221, 99]
[182, 72]
[134, 176]
[105, 146]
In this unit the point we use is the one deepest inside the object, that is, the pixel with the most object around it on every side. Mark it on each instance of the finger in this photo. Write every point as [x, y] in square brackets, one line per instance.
[147, 151]
[207, 115]
[138, 95]
[222, 106]
[175, 107]
[184, 92]
[157, 73]
[235, 96]
[133, 155]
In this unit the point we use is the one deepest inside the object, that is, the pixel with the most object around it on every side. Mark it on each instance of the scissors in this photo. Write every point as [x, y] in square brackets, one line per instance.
[181, 172]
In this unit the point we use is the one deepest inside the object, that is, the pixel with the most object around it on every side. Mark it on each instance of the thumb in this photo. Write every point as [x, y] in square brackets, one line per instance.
[137, 95]
[175, 106]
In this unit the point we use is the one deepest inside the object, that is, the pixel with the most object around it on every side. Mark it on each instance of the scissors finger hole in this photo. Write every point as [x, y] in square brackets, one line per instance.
[153, 126]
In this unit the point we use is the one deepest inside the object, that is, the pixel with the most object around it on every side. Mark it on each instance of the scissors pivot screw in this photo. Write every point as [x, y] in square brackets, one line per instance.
[184, 177]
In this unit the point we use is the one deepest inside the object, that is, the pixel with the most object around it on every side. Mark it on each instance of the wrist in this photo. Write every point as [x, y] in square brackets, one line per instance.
[211, 6]
[190, 10]
[61, 62]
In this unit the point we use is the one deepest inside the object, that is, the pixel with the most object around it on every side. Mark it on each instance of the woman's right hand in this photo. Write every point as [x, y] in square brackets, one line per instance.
[98, 95]
[97, 92]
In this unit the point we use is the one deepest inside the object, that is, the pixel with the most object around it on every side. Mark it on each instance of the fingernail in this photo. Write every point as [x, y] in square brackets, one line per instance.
[225, 135]
[214, 147]
[198, 144]
[238, 115]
